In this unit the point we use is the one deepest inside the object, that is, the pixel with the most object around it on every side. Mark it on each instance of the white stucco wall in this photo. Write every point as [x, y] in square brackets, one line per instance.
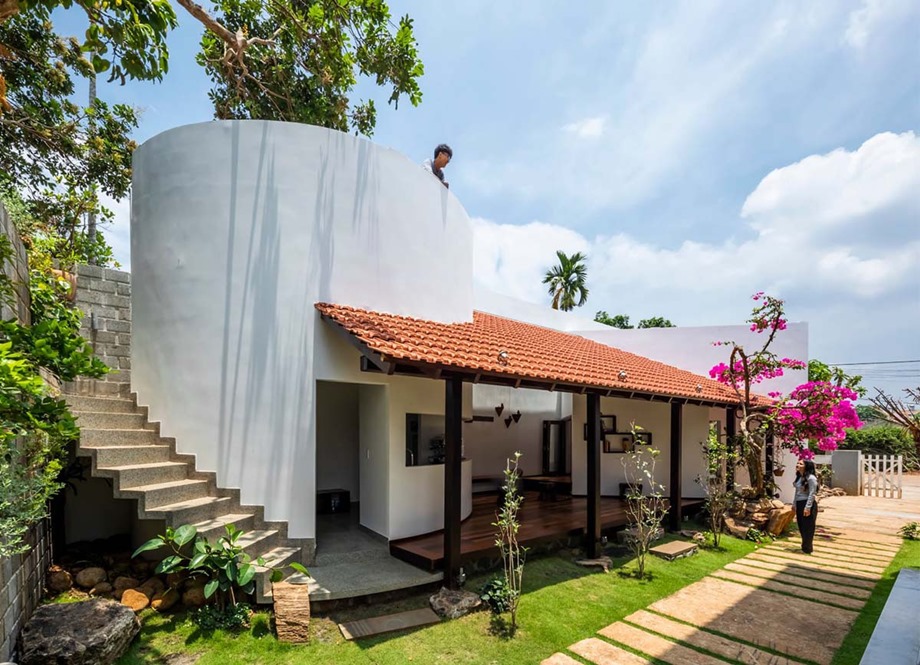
[374, 457]
[237, 229]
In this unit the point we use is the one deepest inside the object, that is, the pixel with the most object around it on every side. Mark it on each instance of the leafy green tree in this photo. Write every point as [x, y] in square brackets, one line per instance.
[615, 321]
[299, 60]
[820, 371]
[656, 322]
[567, 281]
[884, 440]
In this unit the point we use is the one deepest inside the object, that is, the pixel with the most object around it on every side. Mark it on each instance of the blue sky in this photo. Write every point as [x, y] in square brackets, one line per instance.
[696, 151]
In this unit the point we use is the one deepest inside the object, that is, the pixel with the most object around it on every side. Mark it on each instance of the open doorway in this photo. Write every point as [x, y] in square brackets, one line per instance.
[555, 446]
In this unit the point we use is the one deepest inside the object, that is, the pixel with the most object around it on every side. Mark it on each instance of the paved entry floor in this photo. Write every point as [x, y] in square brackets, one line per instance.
[775, 606]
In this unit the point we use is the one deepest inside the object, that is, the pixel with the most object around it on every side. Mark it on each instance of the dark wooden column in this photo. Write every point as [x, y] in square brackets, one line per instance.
[453, 424]
[593, 446]
[677, 432]
[730, 432]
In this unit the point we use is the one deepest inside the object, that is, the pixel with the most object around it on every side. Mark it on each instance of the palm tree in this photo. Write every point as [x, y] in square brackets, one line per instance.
[567, 281]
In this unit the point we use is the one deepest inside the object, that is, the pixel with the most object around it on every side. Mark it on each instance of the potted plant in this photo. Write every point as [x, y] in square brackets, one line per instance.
[778, 470]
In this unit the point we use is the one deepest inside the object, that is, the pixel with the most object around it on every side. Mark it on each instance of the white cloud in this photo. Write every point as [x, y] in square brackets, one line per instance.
[587, 128]
[867, 19]
[834, 234]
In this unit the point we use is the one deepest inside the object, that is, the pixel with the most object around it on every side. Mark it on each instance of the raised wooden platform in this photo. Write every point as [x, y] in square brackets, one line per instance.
[541, 521]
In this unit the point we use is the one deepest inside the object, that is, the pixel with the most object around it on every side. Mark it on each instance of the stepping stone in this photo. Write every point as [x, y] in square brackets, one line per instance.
[675, 549]
[657, 647]
[896, 638]
[808, 571]
[353, 630]
[825, 595]
[804, 561]
[722, 646]
[829, 558]
[604, 563]
[601, 653]
[292, 612]
[559, 659]
[793, 626]
[799, 581]
[841, 550]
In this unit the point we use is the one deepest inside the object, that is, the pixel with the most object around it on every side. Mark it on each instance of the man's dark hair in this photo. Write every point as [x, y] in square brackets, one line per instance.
[443, 148]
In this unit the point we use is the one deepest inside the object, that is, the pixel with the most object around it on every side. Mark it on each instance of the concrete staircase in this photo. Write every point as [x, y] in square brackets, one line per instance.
[127, 448]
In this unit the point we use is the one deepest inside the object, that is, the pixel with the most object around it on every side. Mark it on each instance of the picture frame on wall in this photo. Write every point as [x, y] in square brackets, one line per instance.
[608, 426]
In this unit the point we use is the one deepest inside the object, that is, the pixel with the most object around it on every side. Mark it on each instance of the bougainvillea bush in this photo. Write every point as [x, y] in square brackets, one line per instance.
[814, 416]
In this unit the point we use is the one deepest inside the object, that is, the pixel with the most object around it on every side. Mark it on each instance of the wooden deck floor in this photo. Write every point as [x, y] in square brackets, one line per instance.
[540, 521]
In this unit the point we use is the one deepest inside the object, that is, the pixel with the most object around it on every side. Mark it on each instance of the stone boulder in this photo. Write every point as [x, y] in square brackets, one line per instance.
[90, 577]
[136, 600]
[165, 600]
[59, 580]
[780, 519]
[194, 597]
[101, 589]
[454, 604]
[123, 583]
[93, 632]
[737, 528]
[152, 587]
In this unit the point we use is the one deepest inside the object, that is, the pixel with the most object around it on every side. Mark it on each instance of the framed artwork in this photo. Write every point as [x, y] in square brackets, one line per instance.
[608, 426]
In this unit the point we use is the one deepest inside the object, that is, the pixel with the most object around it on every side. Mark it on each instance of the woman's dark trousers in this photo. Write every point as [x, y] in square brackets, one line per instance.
[806, 524]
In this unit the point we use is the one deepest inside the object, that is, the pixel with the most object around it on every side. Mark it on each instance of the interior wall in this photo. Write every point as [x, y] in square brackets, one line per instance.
[91, 513]
[374, 457]
[337, 437]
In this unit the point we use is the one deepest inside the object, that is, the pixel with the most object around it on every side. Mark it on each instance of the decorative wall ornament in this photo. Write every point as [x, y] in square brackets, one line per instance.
[508, 421]
[517, 415]
[499, 409]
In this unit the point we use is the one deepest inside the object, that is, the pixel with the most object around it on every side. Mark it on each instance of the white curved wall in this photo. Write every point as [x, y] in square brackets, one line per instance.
[237, 229]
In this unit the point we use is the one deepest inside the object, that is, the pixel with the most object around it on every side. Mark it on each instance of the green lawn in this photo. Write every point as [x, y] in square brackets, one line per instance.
[562, 603]
[850, 653]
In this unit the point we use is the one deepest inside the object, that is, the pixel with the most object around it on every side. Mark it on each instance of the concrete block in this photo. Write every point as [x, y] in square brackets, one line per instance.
[103, 337]
[114, 300]
[124, 315]
[118, 276]
[102, 286]
[117, 326]
[124, 363]
[123, 289]
[89, 296]
[101, 312]
[124, 339]
[91, 271]
[118, 351]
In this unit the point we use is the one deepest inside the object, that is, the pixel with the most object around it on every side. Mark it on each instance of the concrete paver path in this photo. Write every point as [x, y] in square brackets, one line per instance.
[775, 606]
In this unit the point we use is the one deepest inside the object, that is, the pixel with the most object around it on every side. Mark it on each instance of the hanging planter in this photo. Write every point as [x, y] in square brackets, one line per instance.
[779, 470]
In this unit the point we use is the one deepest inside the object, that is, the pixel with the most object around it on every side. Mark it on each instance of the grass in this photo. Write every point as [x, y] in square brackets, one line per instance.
[851, 651]
[562, 603]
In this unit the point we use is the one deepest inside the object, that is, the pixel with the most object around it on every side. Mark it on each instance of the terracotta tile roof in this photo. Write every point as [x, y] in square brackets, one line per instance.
[533, 353]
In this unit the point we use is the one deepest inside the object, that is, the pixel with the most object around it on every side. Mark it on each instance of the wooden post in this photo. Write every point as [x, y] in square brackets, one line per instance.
[453, 430]
[730, 446]
[769, 459]
[677, 430]
[593, 446]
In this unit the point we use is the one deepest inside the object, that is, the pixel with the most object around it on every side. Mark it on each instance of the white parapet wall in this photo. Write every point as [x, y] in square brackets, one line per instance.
[237, 230]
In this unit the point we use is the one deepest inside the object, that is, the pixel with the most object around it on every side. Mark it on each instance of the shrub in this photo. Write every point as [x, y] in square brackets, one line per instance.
[496, 594]
[884, 440]
[230, 617]
[910, 531]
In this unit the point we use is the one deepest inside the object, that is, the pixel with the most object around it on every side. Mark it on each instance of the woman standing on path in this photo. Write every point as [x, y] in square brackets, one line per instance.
[806, 505]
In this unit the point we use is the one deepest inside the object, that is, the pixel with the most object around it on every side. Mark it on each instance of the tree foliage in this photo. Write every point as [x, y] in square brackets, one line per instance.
[567, 281]
[905, 413]
[820, 371]
[884, 439]
[622, 321]
[303, 58]
[656, 322]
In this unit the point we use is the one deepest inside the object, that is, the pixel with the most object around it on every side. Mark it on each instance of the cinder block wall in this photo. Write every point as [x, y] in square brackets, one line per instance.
[22, 581]
[104, 297]
[22, 577]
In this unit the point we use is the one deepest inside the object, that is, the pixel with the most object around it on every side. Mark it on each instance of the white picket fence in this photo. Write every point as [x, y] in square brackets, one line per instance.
[882, 475]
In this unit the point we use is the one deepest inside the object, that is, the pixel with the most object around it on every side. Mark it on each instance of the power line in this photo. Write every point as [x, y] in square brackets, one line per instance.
[877, 362]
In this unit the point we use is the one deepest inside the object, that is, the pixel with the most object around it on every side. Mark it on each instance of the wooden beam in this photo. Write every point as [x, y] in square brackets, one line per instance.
[453, 424]
[730, 445]
[593, 447]
[677, 433]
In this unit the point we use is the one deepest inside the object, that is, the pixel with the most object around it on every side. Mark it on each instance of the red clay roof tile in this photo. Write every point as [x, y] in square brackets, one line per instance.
[533, 352]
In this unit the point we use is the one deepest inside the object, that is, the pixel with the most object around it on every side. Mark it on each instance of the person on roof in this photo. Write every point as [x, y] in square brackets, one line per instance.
[442, 156]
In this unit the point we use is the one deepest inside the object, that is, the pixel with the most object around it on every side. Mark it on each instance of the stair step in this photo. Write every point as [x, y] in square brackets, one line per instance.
[159, 494]
[192, 510]
[117, 437]
[214, 528]
[140, 475]
[100, 404]
[108, 456]
[257, 543]
[279, 557]
[109, 420]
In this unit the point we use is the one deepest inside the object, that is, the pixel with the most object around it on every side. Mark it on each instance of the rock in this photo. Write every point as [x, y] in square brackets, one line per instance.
[292, 612]
[454, 604]
[751, 507]
[59, 580]
[699, 538]
[101, 589]
[165, 600]
[142, 568]
[603, 562]
[194, 597]
[93, 632]
[780, 519]
[686, 533]
[776, 503]
[152, 587]
[737, 528]
[90, 577]
[123, 583]
[136, 600]
[175, 580]
[759, 519]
